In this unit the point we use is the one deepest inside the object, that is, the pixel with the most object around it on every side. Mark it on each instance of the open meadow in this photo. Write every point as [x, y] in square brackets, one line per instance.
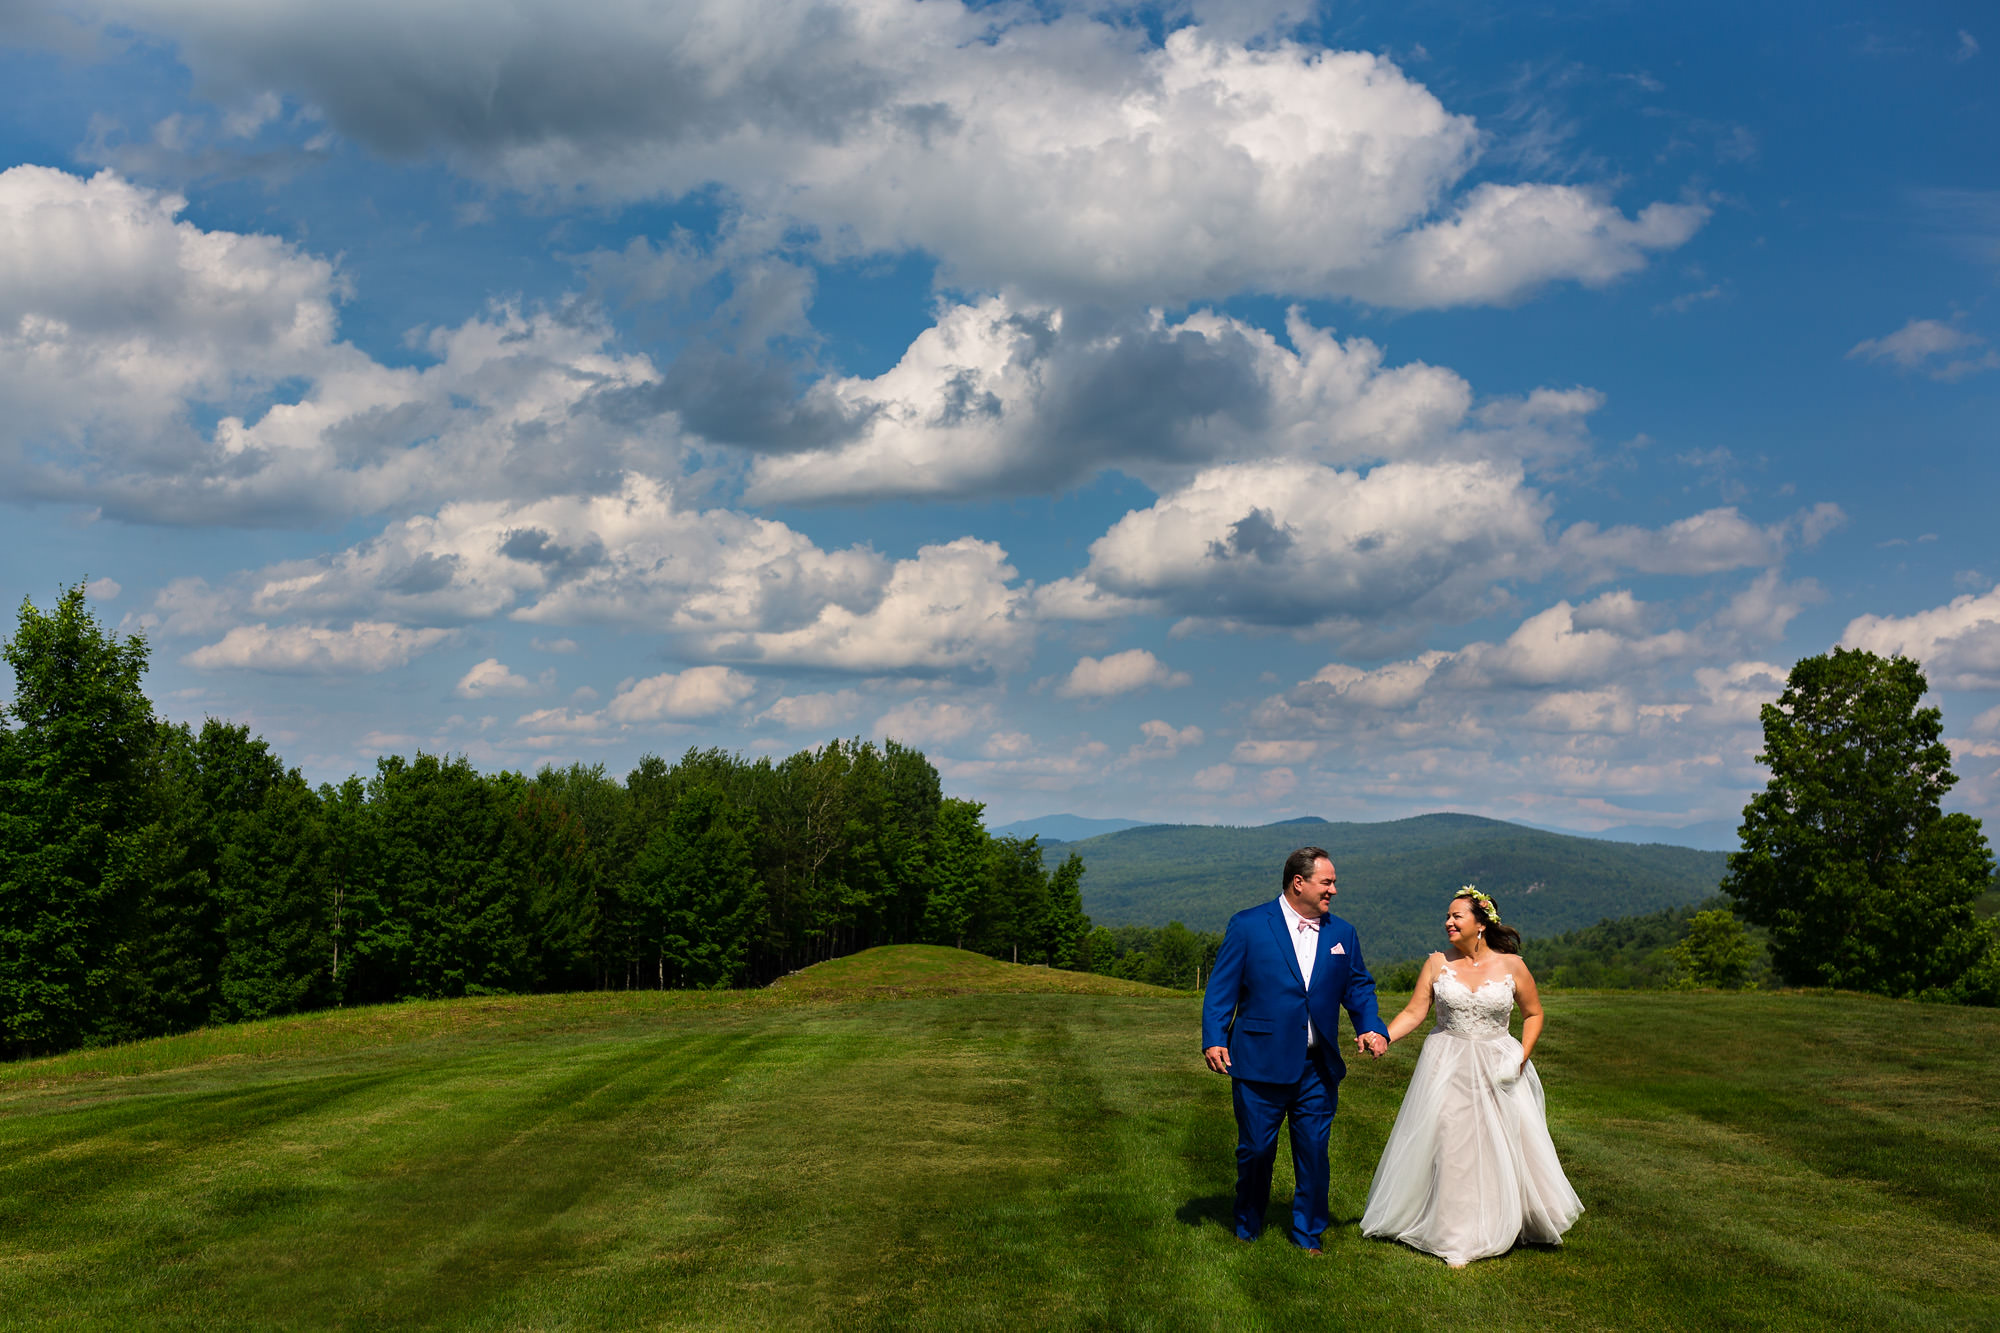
[916, 1137]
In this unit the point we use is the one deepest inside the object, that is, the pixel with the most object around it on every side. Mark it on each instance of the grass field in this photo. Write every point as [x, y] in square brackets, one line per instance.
[919, 1138]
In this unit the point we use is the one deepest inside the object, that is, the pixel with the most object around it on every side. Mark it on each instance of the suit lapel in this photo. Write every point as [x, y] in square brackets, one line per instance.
[1281, 933]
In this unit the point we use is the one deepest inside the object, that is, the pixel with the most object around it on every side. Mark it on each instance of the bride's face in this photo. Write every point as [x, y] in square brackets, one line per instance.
[1461, 927]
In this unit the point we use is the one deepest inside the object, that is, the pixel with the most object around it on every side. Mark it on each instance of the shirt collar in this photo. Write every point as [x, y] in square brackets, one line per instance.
[1293, 913]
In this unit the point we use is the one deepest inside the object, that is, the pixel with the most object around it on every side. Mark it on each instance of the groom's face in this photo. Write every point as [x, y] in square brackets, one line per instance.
[1312, 895]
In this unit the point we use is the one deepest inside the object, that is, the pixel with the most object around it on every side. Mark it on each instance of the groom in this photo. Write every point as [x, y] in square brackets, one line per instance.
[1284, 972]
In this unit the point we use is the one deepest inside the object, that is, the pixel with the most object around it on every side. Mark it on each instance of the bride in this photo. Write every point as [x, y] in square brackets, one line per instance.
[1469, 1168]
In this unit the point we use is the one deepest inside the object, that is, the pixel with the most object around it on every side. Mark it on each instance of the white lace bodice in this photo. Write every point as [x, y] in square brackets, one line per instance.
[1480, 1014]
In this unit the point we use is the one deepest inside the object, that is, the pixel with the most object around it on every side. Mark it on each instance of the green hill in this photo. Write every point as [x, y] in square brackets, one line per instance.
[904, 971]
[844, 1151]
[1395, 878]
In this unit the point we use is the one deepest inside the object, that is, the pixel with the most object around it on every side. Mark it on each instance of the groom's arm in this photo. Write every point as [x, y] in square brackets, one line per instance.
[1359, 1001]
[1218, 1002]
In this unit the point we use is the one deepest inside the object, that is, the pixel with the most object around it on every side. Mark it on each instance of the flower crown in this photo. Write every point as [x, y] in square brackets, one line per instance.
[1492, 912]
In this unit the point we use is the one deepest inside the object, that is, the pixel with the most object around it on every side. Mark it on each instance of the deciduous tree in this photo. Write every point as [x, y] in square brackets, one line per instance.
[1864, 882]
[957, 864]
[1714, 952]
[74, 750]
[698, 890]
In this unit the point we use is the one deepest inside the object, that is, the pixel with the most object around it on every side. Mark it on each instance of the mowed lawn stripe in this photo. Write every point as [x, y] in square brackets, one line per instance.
[344, 1199]
[967, 1160]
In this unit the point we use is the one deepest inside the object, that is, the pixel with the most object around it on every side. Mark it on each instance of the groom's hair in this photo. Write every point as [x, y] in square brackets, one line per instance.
[1301, 862]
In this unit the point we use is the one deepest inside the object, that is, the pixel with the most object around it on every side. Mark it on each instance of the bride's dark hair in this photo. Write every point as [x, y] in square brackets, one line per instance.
[1499, 938]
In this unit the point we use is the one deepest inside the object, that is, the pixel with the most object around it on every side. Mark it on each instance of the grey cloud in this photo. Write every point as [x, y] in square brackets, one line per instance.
[1258, 537]
[426, 573]
[994, 399]
[559, 563]
[1002, 140]
[753, 401]
[1139, 393]
[472, 80]
[963, 399]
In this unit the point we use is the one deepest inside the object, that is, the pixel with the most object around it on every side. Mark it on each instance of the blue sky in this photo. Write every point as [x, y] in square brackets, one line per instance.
[1189, 412]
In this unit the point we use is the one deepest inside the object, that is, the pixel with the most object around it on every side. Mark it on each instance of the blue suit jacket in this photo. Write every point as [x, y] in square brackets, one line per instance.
[1256, 982]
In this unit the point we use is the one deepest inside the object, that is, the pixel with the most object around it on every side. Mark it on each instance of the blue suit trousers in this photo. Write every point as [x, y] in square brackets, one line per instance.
[1308, 1105]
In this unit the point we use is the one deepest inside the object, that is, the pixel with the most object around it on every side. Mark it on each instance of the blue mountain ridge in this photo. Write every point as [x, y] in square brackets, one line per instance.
[1396, 876]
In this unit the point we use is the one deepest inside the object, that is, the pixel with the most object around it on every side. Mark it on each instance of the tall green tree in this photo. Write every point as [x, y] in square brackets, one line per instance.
[275, 883]
[1063, 928]
[698, 891]
[1848, 859]
[207, 790]
[74, 803]
[353, 878]
[448, 915]
[603, 811]
[547, 843]
[1012, 903]
[957, 861]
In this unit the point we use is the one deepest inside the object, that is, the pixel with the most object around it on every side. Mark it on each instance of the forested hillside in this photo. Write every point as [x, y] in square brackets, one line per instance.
[157, 877]
[1395, 878]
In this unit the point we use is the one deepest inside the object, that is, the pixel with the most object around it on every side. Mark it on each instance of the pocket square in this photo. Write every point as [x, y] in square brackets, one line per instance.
[1338, 947]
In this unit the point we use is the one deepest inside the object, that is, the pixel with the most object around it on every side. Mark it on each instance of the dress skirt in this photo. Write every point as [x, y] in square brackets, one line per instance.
[1469, 1168]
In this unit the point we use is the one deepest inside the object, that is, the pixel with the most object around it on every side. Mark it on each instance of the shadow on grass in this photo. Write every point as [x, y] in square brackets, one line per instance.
[1217, 1208]
[1220, 1209]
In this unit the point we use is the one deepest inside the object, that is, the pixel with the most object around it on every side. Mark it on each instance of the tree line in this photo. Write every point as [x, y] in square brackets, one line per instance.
[156, 877]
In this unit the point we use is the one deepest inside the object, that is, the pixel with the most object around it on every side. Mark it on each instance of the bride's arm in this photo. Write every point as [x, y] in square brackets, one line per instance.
[1531, 1008]
[1419, 1007]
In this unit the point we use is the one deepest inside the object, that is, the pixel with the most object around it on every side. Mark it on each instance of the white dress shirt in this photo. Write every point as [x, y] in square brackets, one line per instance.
[1305, 945]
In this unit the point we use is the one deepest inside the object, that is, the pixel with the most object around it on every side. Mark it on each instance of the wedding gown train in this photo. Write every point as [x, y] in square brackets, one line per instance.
[1469, 1167]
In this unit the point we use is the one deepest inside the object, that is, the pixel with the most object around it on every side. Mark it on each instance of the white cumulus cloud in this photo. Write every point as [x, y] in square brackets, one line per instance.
[1958, 644]
[812, 712]
[1055, 153]
[953, 607]
[1163, 740]
[361, 648]
[724, 584]
[1274, 752]
[1706, 543]
[492, 677]
[926, 721]
[698, 692]
[1214, 778]
[1297, 545]
[1120, 673]
[561, 721]
[121, 326]
[1004, 396]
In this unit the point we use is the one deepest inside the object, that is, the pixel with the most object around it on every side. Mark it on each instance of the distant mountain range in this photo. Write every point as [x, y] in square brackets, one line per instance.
[1714, 835]
[1396, 878]
[1063, 828]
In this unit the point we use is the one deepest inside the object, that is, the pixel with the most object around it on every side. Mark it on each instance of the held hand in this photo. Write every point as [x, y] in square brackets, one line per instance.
[1218, 1058]
[1374, 1043]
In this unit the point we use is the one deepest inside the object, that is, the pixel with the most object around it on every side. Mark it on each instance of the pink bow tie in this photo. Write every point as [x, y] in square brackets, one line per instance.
[1305, 925]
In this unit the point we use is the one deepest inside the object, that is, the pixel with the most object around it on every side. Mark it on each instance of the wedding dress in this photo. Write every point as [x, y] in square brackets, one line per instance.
[1469, 1167]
